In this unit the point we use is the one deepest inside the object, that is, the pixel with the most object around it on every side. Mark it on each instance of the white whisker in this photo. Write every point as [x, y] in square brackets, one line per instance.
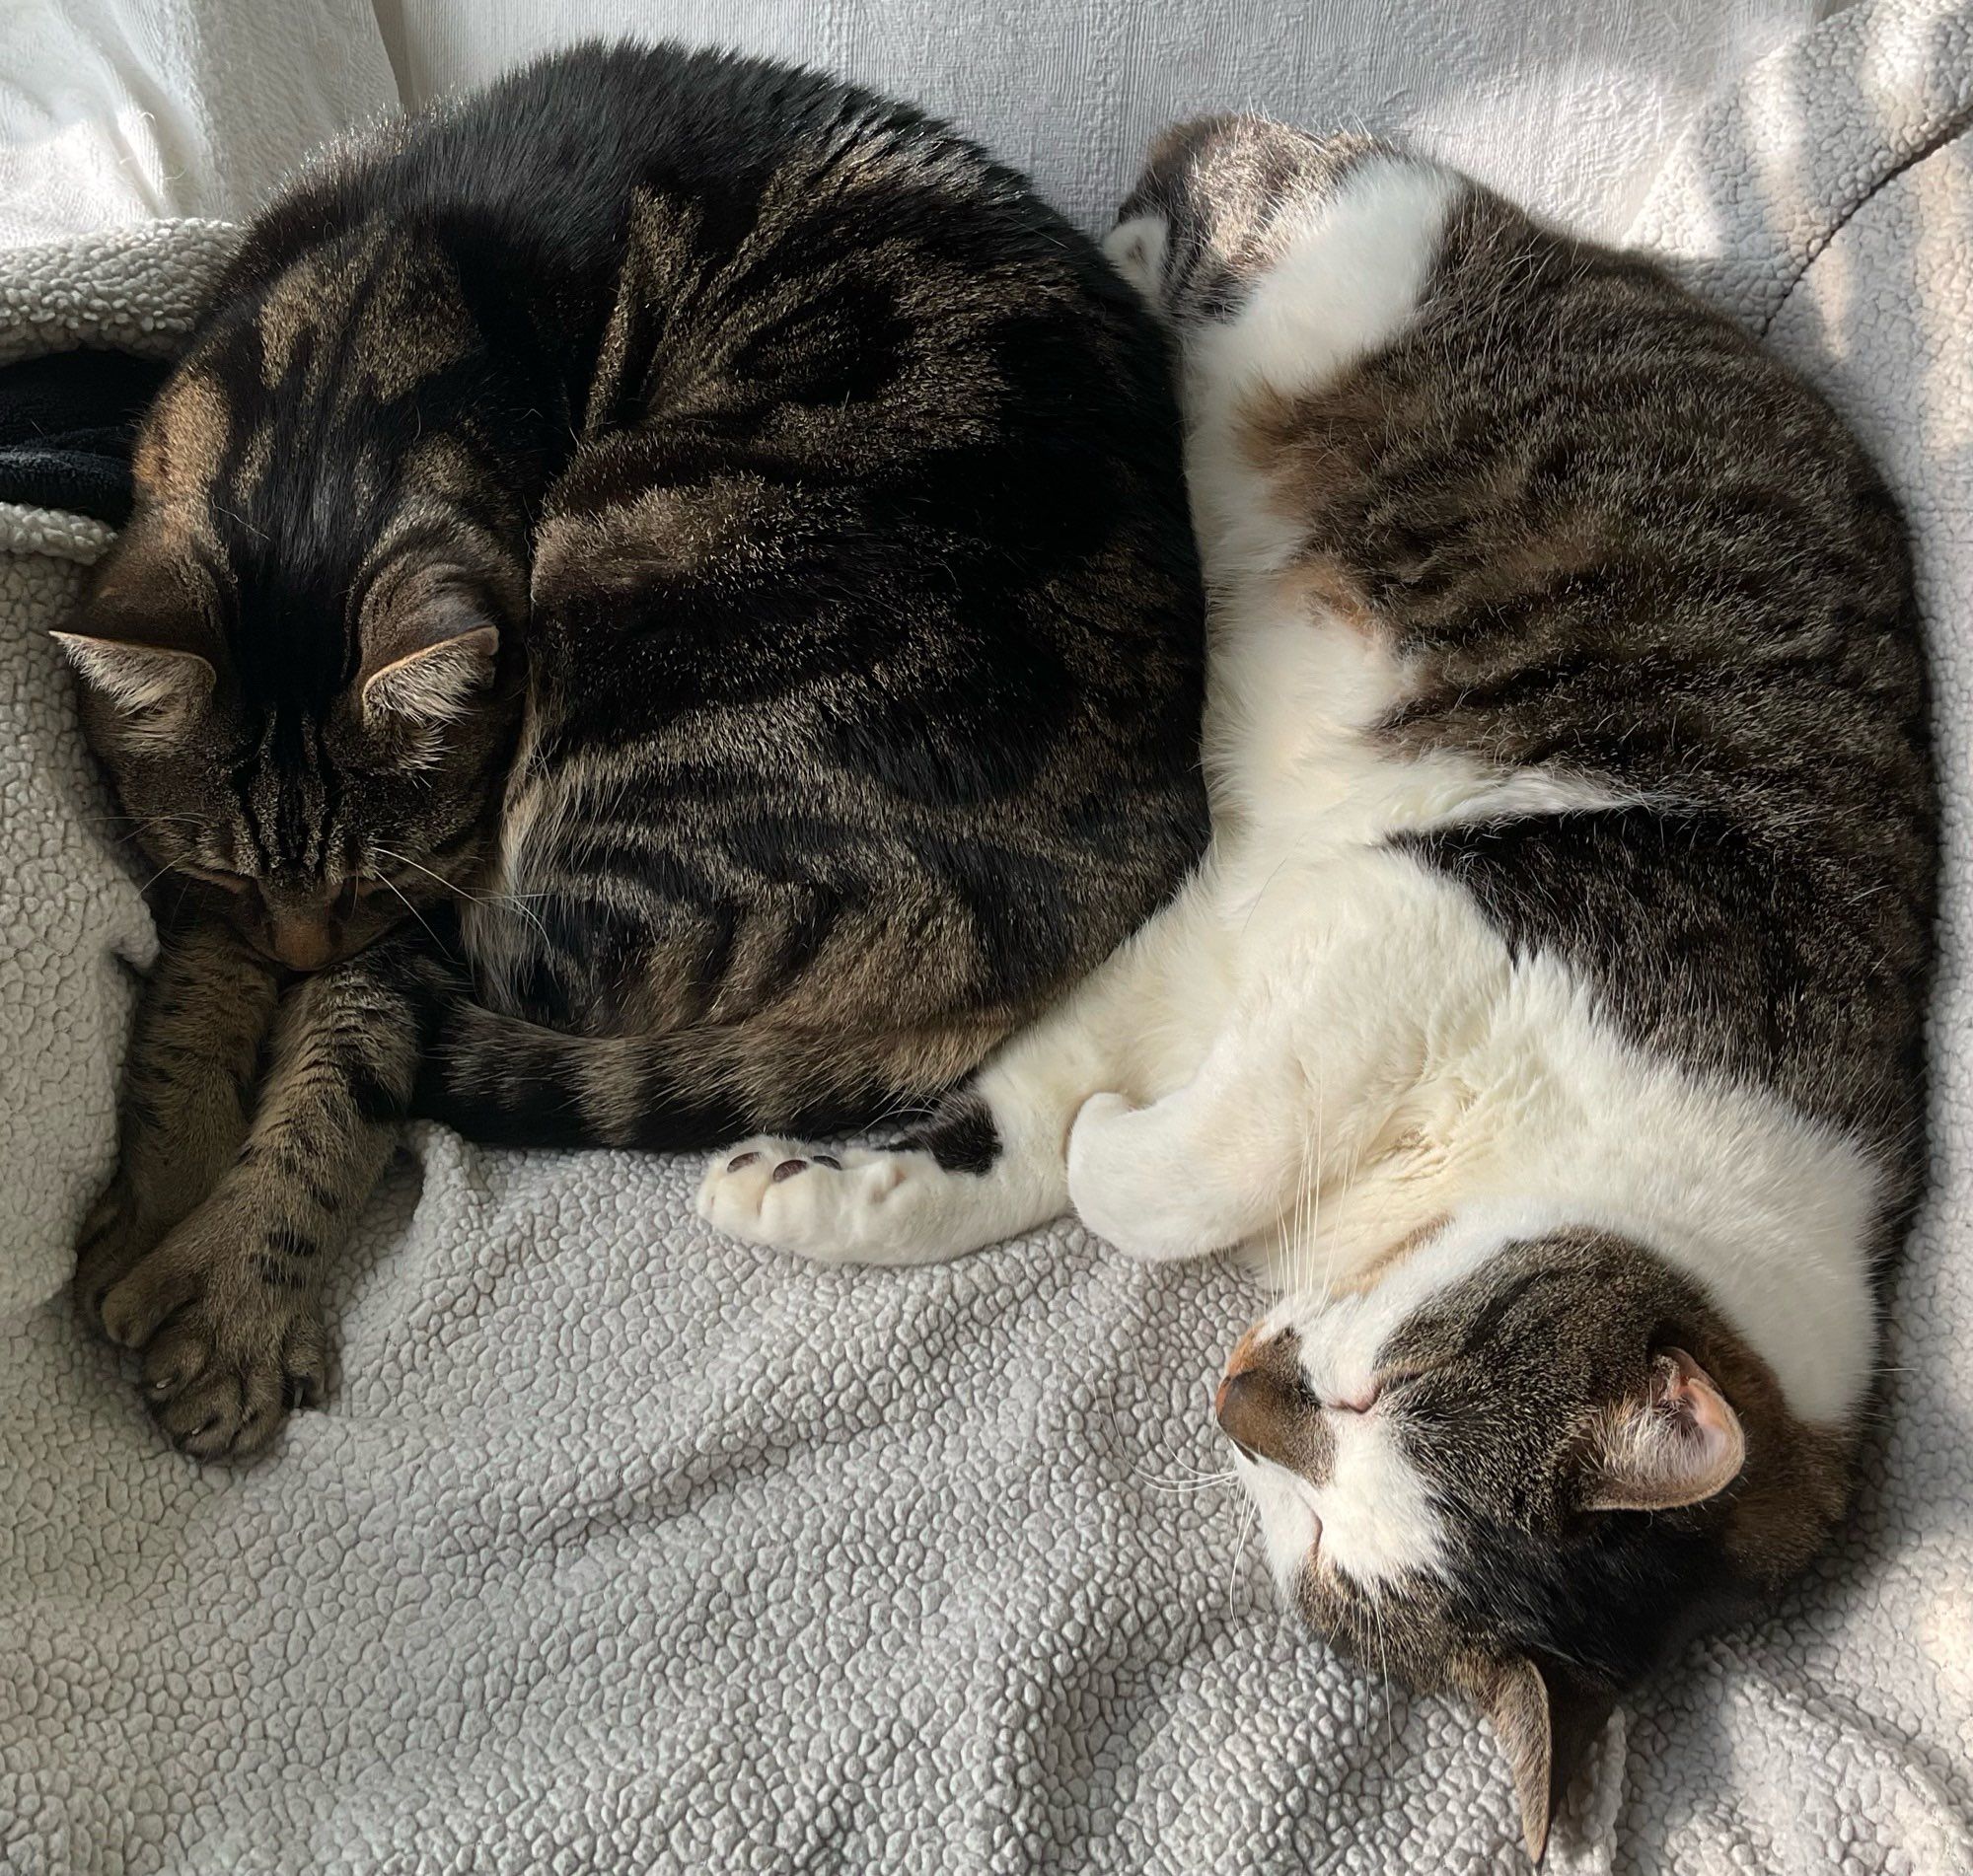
[1384, 1668]
[465, 893]
[418, 915]
[1239, 1551]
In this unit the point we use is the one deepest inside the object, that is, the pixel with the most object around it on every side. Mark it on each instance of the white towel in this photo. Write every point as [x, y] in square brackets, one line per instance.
[115, 111]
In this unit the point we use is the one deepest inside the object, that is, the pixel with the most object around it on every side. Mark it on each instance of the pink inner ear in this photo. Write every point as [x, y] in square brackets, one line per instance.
[1689, 1390]
[1678, 1444]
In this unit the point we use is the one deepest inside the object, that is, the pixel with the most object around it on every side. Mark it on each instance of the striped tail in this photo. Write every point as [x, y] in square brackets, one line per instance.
[504, 1081]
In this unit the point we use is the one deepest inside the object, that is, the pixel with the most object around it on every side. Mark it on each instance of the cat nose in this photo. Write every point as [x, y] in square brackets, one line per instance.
[1251, 1407]
[301, 943]
[1256, 1398]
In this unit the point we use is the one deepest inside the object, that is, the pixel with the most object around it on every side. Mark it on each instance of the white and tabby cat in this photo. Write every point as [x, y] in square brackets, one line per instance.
[1548, 1010]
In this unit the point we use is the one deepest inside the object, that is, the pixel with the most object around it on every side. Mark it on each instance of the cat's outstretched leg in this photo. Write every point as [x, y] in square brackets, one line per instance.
[227, 1309]
[966, 1178]
[188, 1091]
[990, 1163]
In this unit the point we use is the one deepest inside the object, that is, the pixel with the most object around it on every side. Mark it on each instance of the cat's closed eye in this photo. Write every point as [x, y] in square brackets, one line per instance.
[351, 887]
[218, 876]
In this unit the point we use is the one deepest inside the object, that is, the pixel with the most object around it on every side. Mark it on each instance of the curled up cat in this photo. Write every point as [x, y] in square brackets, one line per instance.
[660, 604]
[1547, 1012]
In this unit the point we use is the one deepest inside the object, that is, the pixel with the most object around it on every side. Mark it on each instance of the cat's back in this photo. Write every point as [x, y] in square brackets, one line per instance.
[1664, 575]
[539, 167]
[1614, 618]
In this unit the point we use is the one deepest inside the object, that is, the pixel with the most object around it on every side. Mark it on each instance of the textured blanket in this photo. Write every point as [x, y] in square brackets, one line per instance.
[621, 1548]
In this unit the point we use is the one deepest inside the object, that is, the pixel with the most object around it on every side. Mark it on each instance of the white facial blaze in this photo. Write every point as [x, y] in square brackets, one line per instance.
[1290, 1530]
[1371, 1520]
[1378, 1520]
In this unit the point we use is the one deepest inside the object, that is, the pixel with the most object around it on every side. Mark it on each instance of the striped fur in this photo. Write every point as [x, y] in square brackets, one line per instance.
[1547, 1013]
[668, 588]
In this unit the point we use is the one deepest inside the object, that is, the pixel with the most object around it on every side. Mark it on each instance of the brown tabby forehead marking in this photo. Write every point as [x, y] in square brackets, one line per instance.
[312, 296]
[183, 441]
[275, 413]
[370, 316]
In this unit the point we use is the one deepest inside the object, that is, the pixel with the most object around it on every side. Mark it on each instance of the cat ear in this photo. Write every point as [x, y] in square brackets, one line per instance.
[144, 645]
[432, 687]
[155, 694]
[1677, 1443]
[1545, 1721]
[429, 649]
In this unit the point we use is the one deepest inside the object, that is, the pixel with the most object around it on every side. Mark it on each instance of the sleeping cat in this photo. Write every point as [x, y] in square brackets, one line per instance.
[1548, 1010]
[660, 603]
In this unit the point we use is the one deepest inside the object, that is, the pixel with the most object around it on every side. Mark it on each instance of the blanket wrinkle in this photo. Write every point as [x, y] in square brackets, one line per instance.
[1949, 132]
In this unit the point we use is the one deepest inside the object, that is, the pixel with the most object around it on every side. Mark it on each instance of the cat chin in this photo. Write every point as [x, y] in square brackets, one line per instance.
[1291, 1528]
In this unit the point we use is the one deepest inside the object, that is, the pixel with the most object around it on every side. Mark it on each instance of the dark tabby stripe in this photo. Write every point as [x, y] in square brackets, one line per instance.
[711, 529]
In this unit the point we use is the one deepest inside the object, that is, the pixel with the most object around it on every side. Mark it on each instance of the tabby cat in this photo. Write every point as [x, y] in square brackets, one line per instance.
[1549, 1008]
[660, 603]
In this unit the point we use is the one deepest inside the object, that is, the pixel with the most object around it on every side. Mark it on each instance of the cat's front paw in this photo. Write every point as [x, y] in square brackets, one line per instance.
[851, 1207]
[1128, 1185]
[231, 1336]
[120, 1228]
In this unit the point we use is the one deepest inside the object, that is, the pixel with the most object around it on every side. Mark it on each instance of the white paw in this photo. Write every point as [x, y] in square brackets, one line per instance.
[1100, 1182]
[1136, 249]
[851, 1206]
[1125, 1187]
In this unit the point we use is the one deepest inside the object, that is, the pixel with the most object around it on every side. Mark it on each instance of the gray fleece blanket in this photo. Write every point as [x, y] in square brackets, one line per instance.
[621, 1548]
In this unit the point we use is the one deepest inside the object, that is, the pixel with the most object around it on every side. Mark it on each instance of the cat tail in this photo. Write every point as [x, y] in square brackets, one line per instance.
[504, 1081]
